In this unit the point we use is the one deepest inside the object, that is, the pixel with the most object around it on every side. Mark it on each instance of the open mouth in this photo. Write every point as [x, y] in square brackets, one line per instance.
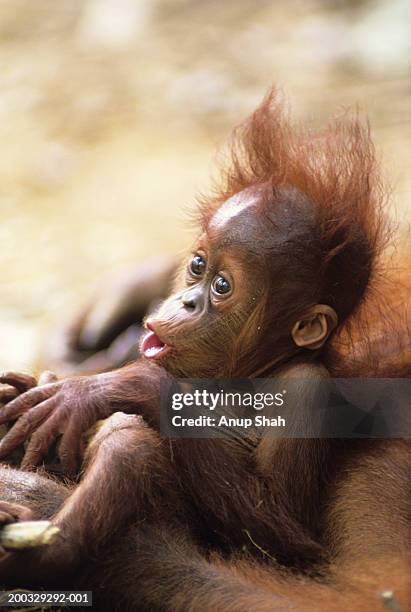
[152, 347]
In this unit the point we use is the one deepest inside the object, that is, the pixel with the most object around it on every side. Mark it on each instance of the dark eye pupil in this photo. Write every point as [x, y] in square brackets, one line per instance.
[197, 265]
[222, 285]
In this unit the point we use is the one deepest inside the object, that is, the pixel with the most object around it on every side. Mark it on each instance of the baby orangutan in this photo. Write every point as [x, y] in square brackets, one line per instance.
[287, 251]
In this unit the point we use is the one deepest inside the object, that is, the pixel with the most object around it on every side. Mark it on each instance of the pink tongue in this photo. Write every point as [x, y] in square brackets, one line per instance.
[152, 344]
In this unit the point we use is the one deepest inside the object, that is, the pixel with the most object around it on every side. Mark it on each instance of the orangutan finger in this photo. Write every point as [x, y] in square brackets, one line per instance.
[25, 426]
[22, 382]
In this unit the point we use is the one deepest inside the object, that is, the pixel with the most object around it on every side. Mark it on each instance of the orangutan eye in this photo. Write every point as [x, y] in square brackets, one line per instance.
[221, 285]
[197, 265]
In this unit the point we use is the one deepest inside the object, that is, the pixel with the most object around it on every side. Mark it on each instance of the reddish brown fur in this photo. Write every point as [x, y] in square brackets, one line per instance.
[335, 169]
[211, 523]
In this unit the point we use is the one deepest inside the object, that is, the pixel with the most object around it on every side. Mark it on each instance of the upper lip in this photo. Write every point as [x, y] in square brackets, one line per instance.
[153, 326]
[152, 346]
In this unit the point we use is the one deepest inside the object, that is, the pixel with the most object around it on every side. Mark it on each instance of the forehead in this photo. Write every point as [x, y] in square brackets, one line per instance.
[236, 222]
[259, 220]
[233, 208]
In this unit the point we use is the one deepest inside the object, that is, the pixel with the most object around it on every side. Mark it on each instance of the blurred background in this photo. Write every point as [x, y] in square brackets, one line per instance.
[111, 112]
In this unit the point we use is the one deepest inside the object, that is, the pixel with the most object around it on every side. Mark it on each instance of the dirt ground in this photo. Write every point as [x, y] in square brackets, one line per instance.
[111, 112]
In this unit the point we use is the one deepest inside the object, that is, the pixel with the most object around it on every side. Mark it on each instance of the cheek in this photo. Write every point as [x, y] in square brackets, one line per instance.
[212, 336]
[204, 349]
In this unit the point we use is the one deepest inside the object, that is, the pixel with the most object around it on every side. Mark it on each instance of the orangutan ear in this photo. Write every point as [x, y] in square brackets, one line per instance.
[314, 328]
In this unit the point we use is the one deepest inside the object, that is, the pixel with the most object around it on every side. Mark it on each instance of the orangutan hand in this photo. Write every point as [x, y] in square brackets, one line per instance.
[44, 412]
